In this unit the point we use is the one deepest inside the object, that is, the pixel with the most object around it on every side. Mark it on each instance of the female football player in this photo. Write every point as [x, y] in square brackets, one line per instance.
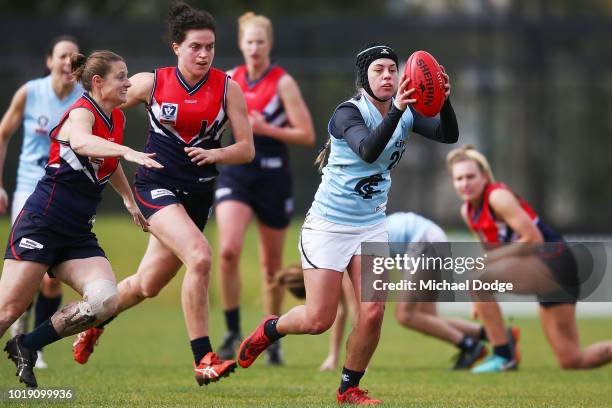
[493, 212]
[189, 106]
[38, 106]
[367, 138]
[278, 116]
[52, 233]
[408, 234]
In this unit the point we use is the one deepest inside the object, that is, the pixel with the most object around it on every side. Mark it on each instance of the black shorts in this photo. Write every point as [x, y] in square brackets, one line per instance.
[562, 264]
[268, 191]
[152, 197]
[33, 238]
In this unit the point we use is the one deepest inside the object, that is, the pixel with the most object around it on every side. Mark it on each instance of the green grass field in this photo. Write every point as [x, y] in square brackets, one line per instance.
[144, 357]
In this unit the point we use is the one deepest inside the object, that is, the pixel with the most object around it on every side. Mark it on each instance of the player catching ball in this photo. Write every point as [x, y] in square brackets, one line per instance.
[368, 134]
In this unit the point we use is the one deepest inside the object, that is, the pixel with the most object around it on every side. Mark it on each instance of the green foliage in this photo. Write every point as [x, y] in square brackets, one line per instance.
[155, 9]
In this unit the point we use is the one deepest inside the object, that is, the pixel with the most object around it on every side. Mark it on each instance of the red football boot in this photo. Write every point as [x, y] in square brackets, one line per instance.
[84, 344]
[357, 396]
[212, 369]
[254, 345]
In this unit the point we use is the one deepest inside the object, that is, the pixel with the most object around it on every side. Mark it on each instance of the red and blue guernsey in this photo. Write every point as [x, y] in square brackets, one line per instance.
[70, 191]
[262, 96]
[183, 116]
[492, 230]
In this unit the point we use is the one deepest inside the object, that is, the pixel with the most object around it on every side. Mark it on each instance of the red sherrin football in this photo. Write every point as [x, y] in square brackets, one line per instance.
[426, 78]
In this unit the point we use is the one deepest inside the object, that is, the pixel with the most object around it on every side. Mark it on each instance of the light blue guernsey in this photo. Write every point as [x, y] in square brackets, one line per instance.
[407, 227]
[352, 191]
[43, 110]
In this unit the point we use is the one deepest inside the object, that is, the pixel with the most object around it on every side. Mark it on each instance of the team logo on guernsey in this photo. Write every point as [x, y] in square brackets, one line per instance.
[366, 186]
[42, 121]
[169, 112]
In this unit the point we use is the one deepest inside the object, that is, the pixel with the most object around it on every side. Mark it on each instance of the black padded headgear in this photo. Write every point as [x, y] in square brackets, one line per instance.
[365, 57]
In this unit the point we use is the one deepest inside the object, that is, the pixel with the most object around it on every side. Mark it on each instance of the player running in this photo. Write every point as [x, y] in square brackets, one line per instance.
[368, 134]
[406, 228]
[189, 106]
[39, 104]
[52, 234]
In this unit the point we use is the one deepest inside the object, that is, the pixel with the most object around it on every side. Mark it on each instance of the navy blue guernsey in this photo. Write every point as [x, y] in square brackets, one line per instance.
[182, 116]
[262, 96]
[71, 189]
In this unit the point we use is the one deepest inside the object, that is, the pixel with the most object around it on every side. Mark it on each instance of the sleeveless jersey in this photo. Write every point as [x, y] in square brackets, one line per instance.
[70, 191]
[262, 96]
[42, 112]
[491, 230]
[352, 191]
[183, 116]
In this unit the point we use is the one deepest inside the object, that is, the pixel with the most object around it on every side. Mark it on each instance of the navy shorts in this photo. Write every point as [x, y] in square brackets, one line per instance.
[152, 197]
[564, 268]
[268, 191]
[33, 238]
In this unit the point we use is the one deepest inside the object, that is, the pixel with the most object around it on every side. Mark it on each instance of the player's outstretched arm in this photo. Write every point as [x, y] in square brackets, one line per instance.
[78, 132]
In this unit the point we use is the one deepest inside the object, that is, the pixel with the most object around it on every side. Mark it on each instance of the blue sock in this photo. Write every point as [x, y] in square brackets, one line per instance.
[483, 334]
[270, 330]
[41, 336]
[466, 343]
[46, 307]
[200, 347]
[232, 320]
[107, 321]
[503, 351]
[350, 379]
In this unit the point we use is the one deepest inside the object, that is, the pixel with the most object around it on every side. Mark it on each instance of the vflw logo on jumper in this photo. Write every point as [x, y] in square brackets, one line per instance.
[169, 112]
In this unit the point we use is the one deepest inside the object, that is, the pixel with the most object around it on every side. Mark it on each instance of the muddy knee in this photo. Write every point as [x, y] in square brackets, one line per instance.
[100, 301]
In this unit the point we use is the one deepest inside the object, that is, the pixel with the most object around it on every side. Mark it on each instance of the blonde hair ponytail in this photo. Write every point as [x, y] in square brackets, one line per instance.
[257, 20]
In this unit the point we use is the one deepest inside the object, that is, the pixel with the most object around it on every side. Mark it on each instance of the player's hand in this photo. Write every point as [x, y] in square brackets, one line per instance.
[403, 97]
[202, 157]
[3, 201]
[447, 85]
[139, 219]
[144, 159]
[474, 312]
[258, 122]
[329, 364]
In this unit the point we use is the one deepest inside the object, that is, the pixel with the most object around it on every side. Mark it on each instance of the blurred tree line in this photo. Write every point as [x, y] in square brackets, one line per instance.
[155, 9]
[532, 84]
